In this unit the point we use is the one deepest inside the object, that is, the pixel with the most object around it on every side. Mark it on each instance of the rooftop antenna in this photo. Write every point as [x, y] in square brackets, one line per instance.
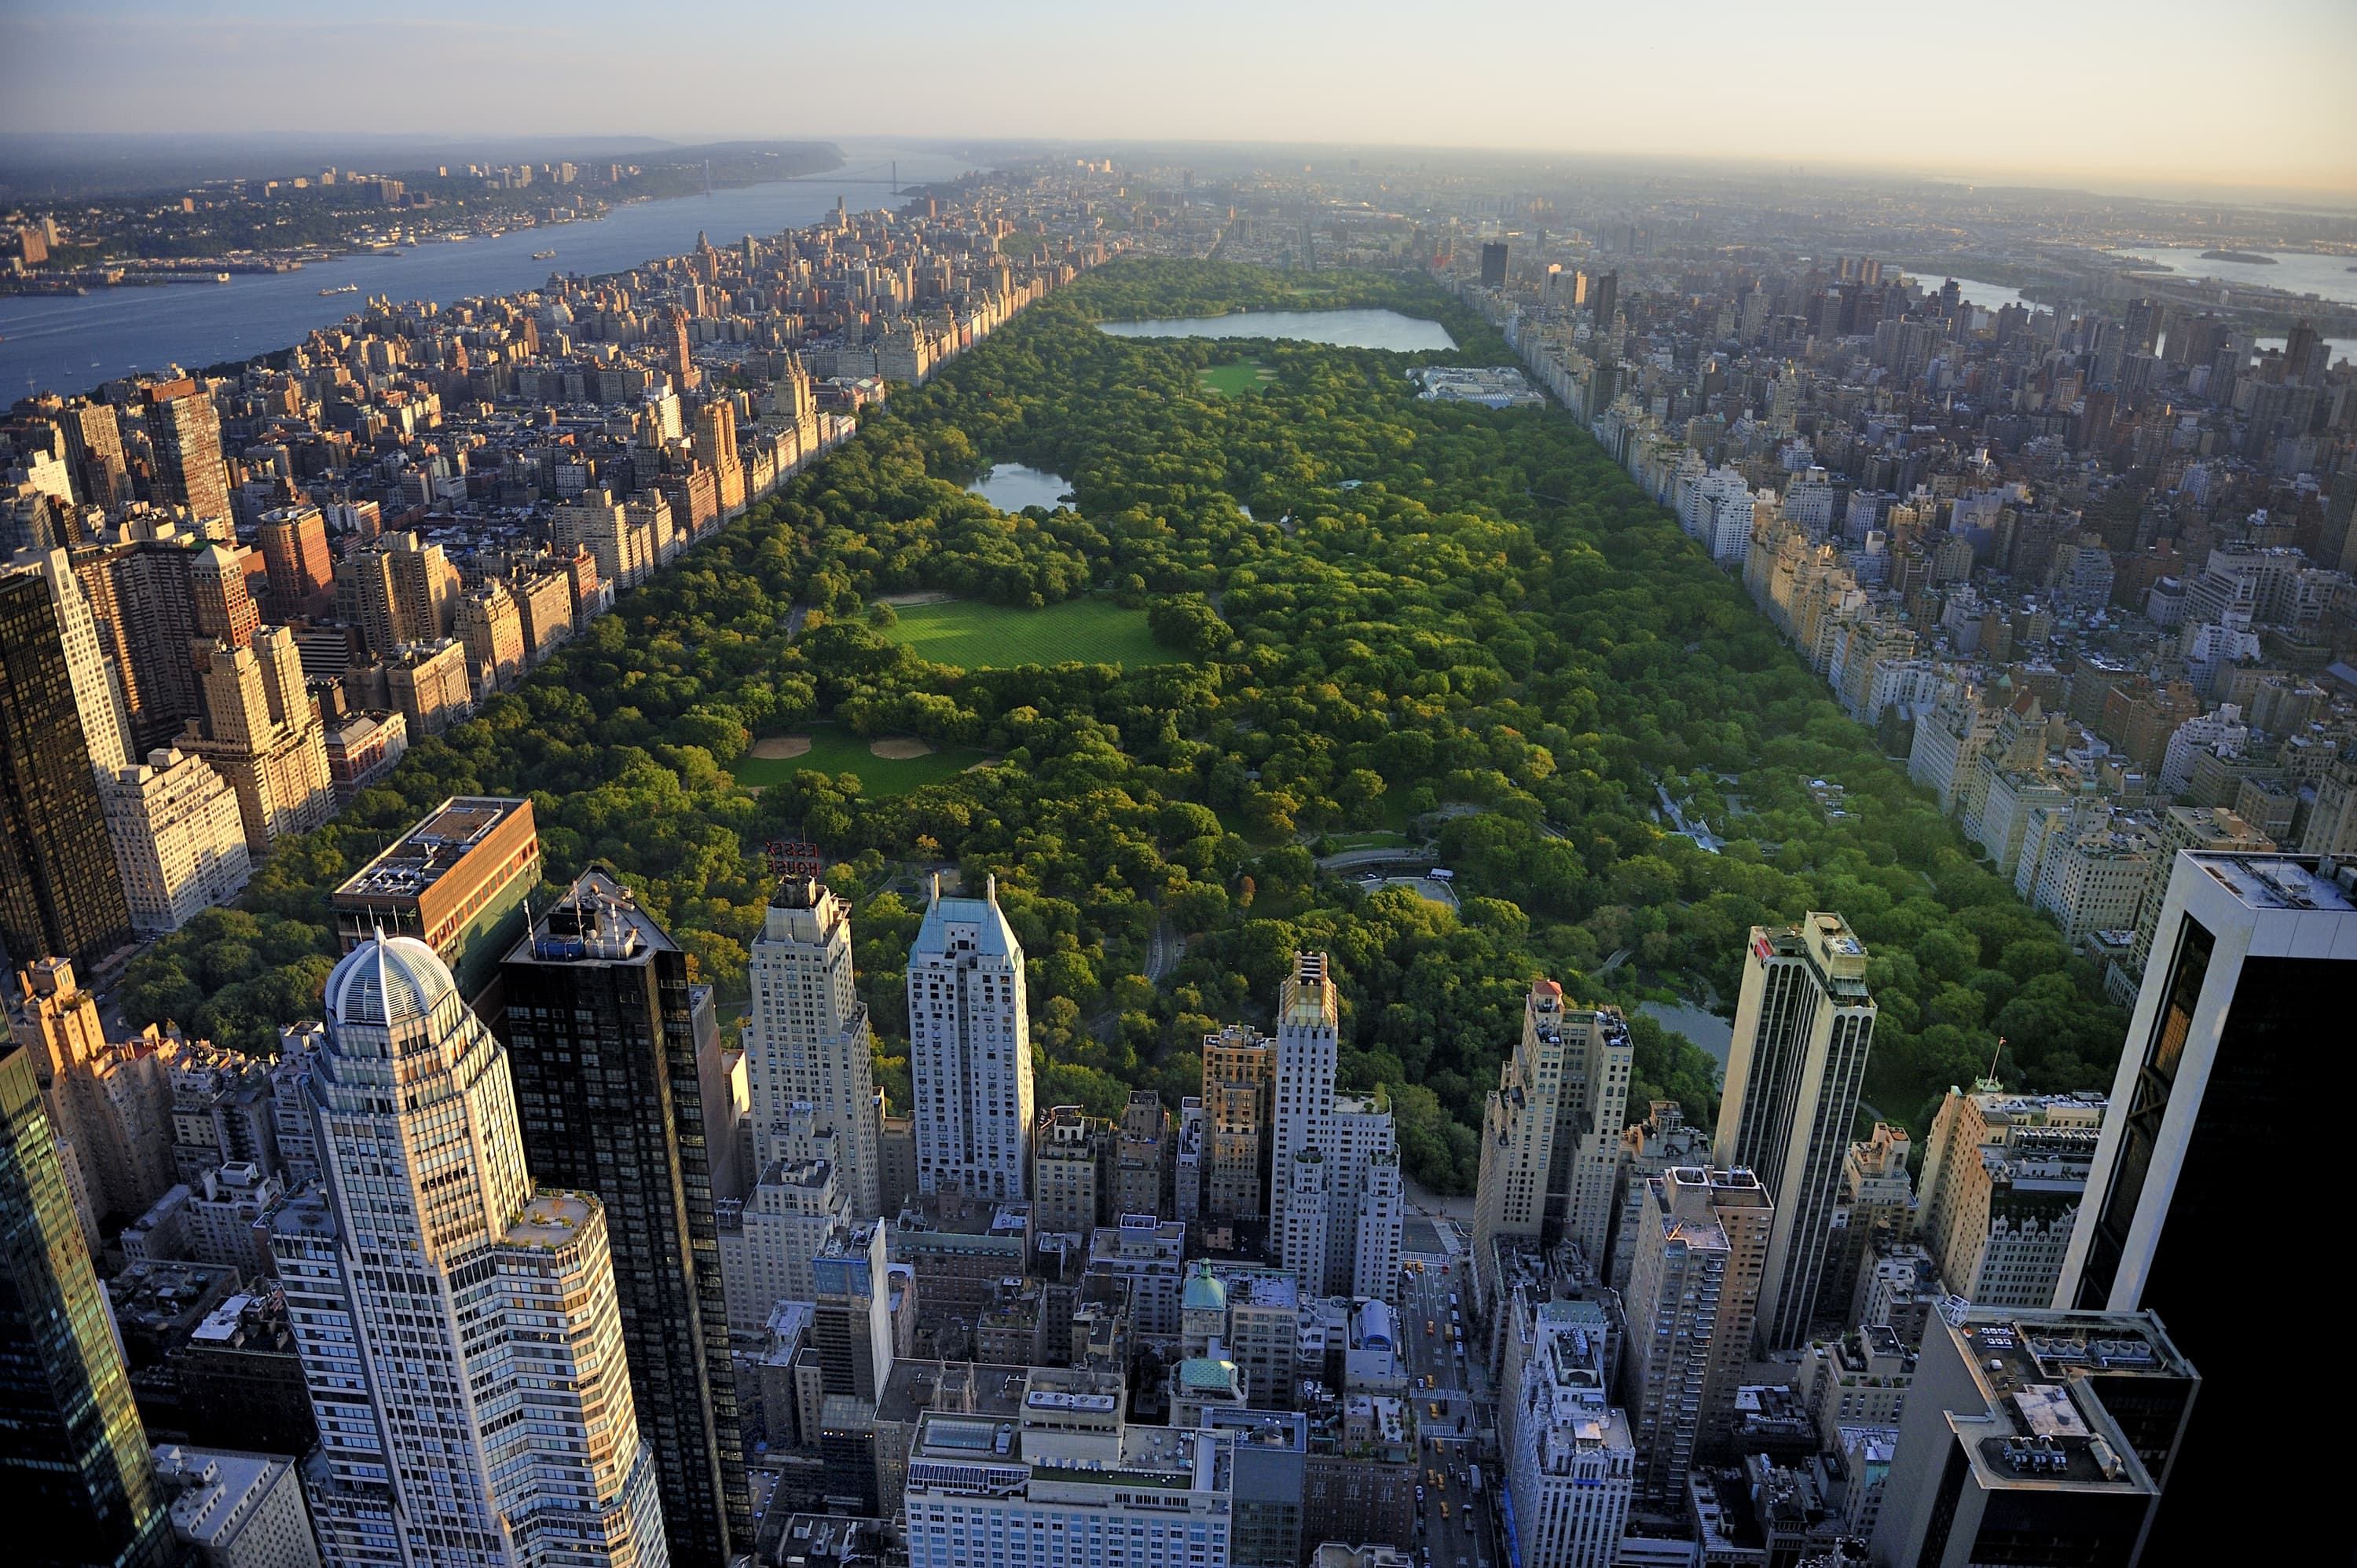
[1992, 1058]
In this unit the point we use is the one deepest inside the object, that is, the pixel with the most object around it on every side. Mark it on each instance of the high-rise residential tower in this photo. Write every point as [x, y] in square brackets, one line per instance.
[969, 1049]
[96, 698]
[1694, 1293]
[58, 892]
[810, 1041]
[295, 557]
[1551, 1132]
[1336, 1192]
[185, 430]
[1802, 1025]
[2253, 966]
[75, 1478]
[458, 1328]
[1574, 1461]
[603, 1049]
[1239, 1088]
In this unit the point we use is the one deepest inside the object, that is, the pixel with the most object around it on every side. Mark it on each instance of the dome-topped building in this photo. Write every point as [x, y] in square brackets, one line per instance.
[425, 1264]
[385, 981]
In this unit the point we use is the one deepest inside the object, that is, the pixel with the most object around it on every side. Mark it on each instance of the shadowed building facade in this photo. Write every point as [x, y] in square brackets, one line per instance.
[602, 1044]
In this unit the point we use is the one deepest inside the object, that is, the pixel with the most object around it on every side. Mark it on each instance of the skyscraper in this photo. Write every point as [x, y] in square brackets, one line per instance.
[1574, 1461]
[2253, 959]
[185, 430]
[1494, 264]
[1336, 1195]
[810, 1041]
[295, 557]
[459, 1329]
[603, 1049]
[75, 1478]
[1606, 296]
[1694, 1293]
[969, 1049]
[2043, 1438]
[1802, 1025]
[59, 893]
[1239, 1086]
[1551, 1132]
[95, 697]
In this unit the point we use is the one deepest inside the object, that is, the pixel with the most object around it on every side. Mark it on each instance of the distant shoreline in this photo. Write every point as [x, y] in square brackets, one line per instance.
[2248, 258]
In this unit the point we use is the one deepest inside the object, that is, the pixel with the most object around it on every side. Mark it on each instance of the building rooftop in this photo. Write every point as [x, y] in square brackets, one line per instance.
[429, 851]
[2278, 882]
[553, 1221]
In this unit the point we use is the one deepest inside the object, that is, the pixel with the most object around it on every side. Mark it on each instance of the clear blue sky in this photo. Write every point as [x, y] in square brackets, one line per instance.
[2260, 93]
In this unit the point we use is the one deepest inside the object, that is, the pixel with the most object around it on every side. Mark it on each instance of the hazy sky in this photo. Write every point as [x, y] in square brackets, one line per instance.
[2254, 92]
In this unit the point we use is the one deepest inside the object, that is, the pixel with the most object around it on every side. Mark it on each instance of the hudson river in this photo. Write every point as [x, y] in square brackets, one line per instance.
[70, 343]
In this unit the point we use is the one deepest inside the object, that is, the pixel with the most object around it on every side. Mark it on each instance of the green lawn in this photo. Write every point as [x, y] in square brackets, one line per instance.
[1228, 381]
[835, 749]
[974, 634]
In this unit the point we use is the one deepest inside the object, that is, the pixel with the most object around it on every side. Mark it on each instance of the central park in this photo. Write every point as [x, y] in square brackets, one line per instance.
[1147, 709]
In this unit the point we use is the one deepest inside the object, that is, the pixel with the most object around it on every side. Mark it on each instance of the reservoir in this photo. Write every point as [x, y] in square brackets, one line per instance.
[1336, 328]
[1011, 487]
[70, 343]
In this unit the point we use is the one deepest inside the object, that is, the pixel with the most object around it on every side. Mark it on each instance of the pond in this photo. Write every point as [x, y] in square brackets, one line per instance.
[1337, 328]
[1714, 1034]
[1011, 487]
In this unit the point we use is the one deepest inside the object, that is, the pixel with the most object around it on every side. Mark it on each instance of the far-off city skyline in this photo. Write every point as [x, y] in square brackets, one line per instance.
[2086, 90]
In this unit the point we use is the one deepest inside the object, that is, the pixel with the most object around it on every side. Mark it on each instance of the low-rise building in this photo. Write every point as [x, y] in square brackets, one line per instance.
[237, 1510]
[1066, 1477]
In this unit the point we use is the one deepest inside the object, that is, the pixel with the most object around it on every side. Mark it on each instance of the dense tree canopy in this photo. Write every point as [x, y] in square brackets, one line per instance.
[1390, 610]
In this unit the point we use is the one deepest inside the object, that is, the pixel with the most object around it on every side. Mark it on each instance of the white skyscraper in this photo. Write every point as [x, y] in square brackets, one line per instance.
[809, 1043]
[969, 1049]
[458, 1331]
[1574, 1461]
[1337, 1209]
[178, 840]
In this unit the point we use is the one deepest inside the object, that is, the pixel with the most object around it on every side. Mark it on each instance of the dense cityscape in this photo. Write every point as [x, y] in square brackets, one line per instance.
[1173, 858]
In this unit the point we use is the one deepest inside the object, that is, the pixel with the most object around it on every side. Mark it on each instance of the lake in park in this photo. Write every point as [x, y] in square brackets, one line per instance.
[1714, 1034]
[1336, 328]
[1011, 487]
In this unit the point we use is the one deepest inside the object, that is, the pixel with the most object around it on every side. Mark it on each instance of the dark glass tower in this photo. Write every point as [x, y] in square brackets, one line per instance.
[76, 1484]
[603, 1047]
[2240, 1031]
[60, 892]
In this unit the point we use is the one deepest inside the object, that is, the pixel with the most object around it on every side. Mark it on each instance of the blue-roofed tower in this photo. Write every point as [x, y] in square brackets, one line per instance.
[969, 1049]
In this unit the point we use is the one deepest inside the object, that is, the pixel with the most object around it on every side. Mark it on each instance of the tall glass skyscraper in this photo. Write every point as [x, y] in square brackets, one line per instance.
[59, 891]
[2240, 1031]
[76, 1485]
[458, 1328]
[602, 1041]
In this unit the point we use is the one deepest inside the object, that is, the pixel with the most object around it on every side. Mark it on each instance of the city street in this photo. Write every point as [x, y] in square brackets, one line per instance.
[1456, 1528]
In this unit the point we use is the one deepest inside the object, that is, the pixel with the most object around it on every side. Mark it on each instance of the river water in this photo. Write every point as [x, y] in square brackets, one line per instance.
[70, 343]
[2327, 277]
[1360, 328]
[1995, 296]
